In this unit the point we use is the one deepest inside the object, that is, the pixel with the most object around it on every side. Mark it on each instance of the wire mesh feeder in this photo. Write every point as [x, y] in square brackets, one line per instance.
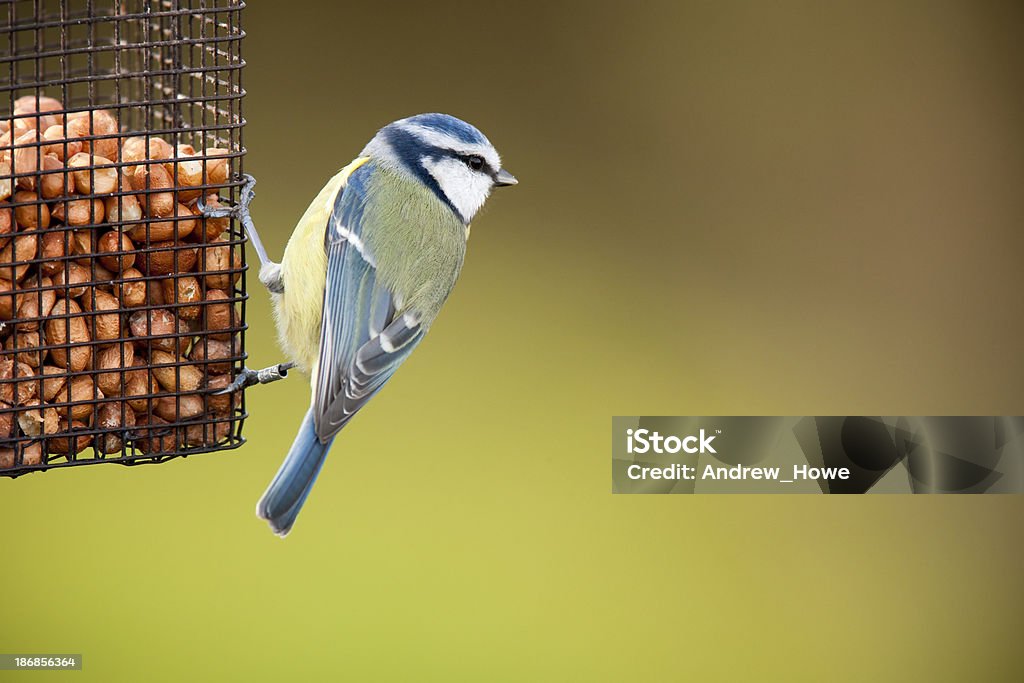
[121, 305]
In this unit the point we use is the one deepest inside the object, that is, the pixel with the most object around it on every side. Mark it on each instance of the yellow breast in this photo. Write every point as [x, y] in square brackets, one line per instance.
[299, 309]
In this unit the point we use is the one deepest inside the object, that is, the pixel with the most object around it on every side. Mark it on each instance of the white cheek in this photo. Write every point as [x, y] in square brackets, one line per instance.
[465, 189]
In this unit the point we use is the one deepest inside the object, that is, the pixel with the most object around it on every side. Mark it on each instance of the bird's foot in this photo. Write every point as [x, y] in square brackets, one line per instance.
[248, 378]
[270, 272]
[240, 210]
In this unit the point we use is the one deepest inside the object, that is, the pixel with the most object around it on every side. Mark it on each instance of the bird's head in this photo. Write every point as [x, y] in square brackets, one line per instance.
[451, 157]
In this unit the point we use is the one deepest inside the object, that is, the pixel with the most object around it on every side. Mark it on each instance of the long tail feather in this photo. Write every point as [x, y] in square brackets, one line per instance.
[284, 497]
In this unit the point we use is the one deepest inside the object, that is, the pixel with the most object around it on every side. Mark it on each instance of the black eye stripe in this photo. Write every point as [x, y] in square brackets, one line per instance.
[476, 163]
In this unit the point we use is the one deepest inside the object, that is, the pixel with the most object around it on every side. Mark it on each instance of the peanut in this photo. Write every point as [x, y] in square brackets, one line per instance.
[222, 404]
[154, 435]
[176, 409]
[217, 166]
[153, 329]
[92, 125]
[74, 279]
[162, 231]
[6, 184]
[164, 258]
[79, 396]
[52, 184]
[142, 148]
[30, 213]
[131, 288]
[219, 318]
[30, 342]
[92, 180]
[211, 228]
[60, 145]
[52, 249]
[106, 326]
[123, 209]
[36, 419]
[53, 381]
[214, 354]
[151, 181]
[79, 212]
[207, 434]
[113, 246]
[36, 305]
[12, 390]
[183, 290]
[7, 224]
[70, 329]
[171, 378]
[27, 159]
[13, 257]
[71, 443]
[220, 256]
[114, 358]
[118, 418]
[9, 303]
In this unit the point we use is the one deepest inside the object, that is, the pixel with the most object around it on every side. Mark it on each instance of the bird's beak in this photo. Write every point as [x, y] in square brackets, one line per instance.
[503, 179]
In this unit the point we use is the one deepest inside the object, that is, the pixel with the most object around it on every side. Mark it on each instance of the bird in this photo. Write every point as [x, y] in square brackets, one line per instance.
[363, 276]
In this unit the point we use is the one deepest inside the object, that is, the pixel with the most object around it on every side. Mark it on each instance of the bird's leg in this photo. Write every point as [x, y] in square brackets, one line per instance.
[248, 378]
[270, 272]
[270, 276]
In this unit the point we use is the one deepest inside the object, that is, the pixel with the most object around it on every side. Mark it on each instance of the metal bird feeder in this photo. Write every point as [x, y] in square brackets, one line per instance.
[122, 303]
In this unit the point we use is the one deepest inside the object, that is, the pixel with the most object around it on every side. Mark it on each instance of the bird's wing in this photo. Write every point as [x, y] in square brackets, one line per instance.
[363, 337]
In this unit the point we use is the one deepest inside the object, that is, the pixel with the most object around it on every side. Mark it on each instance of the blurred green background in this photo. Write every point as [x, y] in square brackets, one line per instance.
[725, 208]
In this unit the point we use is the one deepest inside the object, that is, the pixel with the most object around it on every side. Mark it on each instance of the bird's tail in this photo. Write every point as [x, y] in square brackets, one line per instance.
[284, 497]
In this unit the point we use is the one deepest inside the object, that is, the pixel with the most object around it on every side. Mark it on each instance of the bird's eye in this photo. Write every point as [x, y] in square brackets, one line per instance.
[475, 162]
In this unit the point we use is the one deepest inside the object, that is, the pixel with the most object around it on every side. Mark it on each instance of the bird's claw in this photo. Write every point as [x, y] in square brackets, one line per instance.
[248, 378]
[240, 211]
[245, 196]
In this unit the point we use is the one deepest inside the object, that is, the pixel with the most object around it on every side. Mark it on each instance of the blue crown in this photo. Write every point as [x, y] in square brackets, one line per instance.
[443, 123]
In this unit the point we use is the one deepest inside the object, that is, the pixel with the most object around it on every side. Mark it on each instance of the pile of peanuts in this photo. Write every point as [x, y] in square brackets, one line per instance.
[118, 316]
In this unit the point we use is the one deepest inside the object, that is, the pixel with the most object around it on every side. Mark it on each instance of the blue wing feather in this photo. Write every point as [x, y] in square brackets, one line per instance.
[363, 339]
[362, 328]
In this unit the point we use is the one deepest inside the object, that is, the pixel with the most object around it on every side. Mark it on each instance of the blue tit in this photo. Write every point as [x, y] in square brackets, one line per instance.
[365, 274]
